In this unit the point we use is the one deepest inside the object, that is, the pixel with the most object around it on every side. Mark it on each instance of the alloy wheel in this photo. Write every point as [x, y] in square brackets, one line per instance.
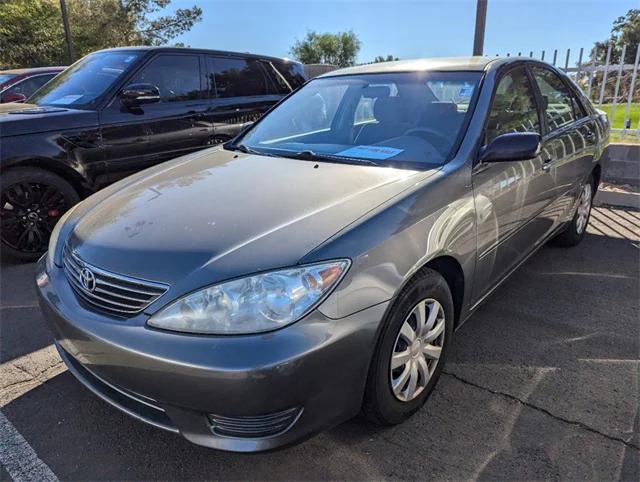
[28, 213]
[584, 208]
[417, 350]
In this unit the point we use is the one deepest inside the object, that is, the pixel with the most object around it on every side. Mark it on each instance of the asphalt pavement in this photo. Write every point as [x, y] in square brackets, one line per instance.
[542, 383]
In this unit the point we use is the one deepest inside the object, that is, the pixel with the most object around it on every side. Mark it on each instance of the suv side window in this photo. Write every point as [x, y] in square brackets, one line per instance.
[560, 106]
[286, 76]
[177, 77]
[233, 77]
[513, 108]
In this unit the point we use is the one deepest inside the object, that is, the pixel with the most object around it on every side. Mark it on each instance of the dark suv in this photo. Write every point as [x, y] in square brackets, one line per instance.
[118, 111]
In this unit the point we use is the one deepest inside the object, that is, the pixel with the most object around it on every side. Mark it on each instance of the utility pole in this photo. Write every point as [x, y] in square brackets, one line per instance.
[481, 20]
[67, 31]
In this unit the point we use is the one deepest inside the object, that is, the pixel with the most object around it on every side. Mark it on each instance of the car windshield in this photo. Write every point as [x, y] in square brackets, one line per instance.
[409, 119]
[82, 83]
[5, 77]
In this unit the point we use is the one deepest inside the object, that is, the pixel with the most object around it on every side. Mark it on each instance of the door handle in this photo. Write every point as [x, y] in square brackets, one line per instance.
[546, 165]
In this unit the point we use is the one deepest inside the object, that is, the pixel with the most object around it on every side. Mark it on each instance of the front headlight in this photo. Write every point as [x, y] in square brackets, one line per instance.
[254, 304]
[55, 234]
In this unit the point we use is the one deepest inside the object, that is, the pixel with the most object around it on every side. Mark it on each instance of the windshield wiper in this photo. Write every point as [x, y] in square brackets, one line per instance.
[309, 155]
[241, 148]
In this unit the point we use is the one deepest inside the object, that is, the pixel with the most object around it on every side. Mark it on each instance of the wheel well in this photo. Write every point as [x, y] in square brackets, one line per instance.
[452, 272]
[597, 172]
[66, 173]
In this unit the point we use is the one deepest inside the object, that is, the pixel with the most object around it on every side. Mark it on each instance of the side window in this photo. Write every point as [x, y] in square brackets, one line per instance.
[513, 108]
[559, 105]
[29, 86]
[177, 77]
[230, 77]
[278, 84]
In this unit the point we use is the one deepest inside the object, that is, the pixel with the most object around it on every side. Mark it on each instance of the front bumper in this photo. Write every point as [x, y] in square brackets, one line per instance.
[240, 393]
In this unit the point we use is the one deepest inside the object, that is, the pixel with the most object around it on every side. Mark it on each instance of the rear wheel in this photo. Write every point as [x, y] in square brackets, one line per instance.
[32, 200]
[412, 350]
[576, 229]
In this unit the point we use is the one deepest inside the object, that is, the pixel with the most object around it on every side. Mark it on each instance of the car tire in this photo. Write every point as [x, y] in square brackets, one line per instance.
[29, 188]
[382, 404]
[575, 230]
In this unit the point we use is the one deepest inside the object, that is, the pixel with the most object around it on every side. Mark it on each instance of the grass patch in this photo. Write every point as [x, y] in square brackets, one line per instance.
[630, 138]
[618, 119]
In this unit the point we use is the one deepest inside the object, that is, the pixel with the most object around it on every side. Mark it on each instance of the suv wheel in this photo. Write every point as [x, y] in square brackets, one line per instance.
[31, 202]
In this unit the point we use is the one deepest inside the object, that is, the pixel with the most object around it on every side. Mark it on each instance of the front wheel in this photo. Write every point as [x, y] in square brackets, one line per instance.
[412, 350]
[31, 202]
[576, 229]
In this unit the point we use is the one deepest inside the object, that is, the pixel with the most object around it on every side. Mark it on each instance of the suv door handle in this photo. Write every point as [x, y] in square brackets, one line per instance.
[546, 165]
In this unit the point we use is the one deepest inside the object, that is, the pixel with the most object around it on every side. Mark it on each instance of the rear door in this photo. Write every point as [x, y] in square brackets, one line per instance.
[511, 197]
[240, 92]
[570, 138]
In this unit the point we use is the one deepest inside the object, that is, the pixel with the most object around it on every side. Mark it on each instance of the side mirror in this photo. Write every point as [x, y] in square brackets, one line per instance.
[137, 94]
[12, 97]
[516, 146]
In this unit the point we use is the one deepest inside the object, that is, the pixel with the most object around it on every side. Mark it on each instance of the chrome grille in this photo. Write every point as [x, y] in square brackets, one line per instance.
[110, 292]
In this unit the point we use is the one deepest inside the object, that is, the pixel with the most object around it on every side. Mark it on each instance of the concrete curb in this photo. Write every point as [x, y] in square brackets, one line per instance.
[615, 198]
[623, 164]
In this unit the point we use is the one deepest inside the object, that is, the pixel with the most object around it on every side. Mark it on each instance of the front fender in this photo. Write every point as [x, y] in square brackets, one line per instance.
[396, 240]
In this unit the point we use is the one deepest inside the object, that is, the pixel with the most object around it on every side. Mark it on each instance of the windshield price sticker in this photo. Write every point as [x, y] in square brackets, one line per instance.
[370, 152]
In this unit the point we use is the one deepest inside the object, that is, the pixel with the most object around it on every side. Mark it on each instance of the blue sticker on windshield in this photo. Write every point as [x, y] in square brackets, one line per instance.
[370, 152]
[466, 90]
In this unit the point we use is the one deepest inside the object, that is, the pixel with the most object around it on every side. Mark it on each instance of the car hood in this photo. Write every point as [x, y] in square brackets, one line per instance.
[220, 214]
[17, 119]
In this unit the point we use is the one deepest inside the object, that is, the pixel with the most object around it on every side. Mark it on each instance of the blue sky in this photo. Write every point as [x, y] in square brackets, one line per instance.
[406, 29]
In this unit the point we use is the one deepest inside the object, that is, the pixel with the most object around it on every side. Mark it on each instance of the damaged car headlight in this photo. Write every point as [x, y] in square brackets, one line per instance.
[253, 304]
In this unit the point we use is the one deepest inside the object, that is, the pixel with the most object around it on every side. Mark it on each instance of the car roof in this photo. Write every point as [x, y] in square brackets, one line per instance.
[447, 64]
[34, 70]
[200, 51]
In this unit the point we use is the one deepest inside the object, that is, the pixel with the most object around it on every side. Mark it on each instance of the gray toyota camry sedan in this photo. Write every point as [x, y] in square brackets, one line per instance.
[318, 265]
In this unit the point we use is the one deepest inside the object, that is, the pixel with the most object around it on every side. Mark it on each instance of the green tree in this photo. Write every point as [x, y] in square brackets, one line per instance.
[31, 34]
[31, 31]
[339, 49]
[625, 30]
[388, 58]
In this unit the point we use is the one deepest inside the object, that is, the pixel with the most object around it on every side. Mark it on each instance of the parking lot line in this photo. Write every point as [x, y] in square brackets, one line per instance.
[18, 458]
[24, 373]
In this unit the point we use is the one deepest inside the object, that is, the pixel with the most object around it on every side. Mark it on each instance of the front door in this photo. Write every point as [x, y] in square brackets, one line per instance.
[137, 137]
[511, 197]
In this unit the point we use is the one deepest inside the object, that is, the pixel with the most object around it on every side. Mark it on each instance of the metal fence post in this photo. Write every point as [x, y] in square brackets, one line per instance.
[578, 72]
[555, 56]
[566, 60]
[604, 75]
[627, 123]
[592, 72]
[617, 87]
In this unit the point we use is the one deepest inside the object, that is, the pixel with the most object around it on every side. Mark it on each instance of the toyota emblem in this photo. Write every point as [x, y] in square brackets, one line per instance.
[87, 279]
